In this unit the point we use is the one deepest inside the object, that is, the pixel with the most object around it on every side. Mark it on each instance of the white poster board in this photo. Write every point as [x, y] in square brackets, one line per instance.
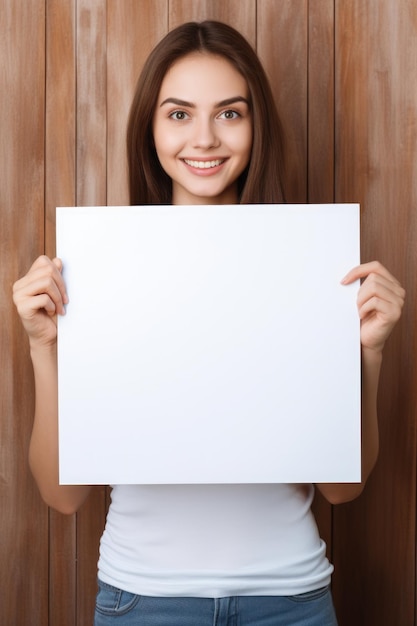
[209, 344]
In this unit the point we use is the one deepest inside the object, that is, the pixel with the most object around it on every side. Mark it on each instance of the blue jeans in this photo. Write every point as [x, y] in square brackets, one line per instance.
[116, 607]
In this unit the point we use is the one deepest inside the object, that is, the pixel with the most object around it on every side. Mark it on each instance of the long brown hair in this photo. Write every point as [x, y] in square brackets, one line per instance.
[261, 182]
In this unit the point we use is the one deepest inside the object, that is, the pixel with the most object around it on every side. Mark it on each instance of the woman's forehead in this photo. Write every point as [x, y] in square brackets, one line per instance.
[200, 73]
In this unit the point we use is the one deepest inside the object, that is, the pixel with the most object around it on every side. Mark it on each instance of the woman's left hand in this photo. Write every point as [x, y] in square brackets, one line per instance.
[380, 302]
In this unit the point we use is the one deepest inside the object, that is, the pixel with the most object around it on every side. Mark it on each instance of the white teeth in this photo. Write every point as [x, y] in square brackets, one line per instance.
[204, 165]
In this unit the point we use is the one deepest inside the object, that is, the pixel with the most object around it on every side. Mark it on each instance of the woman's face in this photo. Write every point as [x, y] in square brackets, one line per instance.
[202, 129]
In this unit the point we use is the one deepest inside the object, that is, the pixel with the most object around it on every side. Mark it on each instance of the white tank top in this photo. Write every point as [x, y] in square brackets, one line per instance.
[213, 540]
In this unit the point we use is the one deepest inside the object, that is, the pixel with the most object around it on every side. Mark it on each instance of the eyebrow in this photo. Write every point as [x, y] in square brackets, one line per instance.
[222, 103]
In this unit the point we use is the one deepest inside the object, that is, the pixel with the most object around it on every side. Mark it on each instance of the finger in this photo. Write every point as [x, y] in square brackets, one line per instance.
[38, 283]
[31, 306]
[381, 287]
[389, 311]
[55, 267]
[58, 262]
[61, 282]
[44, 275]
[41, 261]
[363, 270]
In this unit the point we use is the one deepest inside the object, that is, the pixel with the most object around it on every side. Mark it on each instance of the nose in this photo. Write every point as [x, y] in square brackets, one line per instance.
[205, 135]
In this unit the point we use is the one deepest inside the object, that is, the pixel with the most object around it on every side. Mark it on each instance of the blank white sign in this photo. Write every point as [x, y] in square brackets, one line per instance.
[209, 344]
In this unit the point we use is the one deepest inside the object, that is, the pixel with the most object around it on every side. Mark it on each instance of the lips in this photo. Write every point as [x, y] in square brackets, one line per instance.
[204, 165]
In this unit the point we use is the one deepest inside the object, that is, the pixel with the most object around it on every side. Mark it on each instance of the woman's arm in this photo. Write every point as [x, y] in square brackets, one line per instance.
[380, 301]
[39, 297]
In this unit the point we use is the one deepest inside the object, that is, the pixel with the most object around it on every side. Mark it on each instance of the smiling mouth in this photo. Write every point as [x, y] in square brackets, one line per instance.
[204, 165]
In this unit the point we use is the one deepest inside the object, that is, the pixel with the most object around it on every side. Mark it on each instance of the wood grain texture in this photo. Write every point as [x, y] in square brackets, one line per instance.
[376, 164]
[133, 29]
[62, 569]
[320, 100]
[241, 14]
[91, 102]
[282, 46]
[23, 519]
[60, 114]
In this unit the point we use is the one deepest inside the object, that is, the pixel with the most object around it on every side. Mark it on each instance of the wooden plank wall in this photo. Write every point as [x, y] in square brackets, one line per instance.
[376, 164]
[344, 74]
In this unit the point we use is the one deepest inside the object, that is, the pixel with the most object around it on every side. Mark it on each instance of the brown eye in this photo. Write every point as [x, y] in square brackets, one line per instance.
[229, 114]
[178, 115]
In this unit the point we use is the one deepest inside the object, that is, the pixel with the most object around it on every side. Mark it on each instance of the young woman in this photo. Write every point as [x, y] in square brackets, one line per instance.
[203, 129]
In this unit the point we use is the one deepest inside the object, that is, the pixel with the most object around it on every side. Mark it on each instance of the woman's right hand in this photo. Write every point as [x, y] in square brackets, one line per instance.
[39, 297]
